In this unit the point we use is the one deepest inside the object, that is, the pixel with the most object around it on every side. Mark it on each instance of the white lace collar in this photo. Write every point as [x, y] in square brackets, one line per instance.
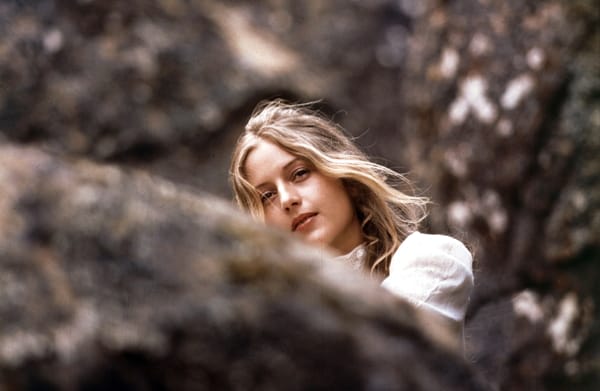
[355, 258]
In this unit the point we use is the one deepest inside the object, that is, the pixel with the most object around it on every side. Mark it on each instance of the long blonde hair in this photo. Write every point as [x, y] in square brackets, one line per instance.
[387, 214]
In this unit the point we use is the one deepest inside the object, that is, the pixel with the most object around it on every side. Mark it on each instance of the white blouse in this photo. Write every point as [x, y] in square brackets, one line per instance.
[433, 272]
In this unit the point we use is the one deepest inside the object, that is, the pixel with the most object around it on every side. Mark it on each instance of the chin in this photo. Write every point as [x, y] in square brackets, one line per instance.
[316, 241]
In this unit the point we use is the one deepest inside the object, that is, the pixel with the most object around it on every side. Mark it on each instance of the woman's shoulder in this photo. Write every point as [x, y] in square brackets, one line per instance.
[434, 272]
[422, 247]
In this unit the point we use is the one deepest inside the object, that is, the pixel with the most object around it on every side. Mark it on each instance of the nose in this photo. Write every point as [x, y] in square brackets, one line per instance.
[289, 197]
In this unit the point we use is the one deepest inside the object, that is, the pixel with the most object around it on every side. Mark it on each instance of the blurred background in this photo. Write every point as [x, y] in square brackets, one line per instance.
[490, 107]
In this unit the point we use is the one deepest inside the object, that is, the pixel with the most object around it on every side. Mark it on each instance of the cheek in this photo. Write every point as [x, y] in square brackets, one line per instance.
[275, 218]
[337, 196]
[344, 210]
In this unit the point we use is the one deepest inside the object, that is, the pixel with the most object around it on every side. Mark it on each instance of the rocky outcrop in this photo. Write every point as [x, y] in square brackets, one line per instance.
[115, 280]
[491, 106]
[164, 84]
[502, 115]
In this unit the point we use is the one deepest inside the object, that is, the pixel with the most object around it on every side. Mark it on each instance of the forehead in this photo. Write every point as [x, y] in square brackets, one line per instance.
[264, 160]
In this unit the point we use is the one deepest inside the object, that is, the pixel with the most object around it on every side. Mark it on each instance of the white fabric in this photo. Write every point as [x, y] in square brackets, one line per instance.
[355, 258]
[433, 272]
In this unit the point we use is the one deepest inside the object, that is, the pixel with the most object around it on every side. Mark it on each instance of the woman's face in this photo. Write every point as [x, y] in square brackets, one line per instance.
[298, 198]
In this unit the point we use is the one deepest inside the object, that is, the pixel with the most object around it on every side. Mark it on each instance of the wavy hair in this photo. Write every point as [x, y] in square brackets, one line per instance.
[386, 212]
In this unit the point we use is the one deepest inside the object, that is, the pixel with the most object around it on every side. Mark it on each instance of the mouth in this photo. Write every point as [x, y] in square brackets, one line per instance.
[302, 219]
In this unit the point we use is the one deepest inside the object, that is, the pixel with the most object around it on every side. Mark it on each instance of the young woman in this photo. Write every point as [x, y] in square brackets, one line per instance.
[294, 169]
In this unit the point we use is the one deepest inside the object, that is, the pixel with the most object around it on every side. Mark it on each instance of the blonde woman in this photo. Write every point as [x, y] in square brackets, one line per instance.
[294, 169]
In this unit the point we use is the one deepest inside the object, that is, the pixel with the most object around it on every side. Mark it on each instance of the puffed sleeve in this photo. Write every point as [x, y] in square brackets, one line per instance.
[433, 272]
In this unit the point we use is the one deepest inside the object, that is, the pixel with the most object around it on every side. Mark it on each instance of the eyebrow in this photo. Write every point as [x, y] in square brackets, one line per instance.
[285, 167]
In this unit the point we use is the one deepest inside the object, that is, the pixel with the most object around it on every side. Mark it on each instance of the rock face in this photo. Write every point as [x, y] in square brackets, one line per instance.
[501, 104]
[114, 280]
[492, 106]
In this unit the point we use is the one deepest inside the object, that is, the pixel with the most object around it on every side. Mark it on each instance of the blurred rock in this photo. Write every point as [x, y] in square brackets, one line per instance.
[492, 107]
[158, 84]
[114, 280]
[501, 122]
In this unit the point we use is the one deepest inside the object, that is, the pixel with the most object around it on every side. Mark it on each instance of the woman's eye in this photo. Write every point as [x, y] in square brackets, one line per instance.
[300, 173]
[267, 195]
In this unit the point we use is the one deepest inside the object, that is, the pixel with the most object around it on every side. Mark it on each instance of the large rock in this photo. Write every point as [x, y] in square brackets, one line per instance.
[114, 280]
[160, 83]
[492, 106]
[502, 123]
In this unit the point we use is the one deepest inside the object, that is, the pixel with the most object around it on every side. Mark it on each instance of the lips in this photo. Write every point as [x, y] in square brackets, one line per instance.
[301, 219]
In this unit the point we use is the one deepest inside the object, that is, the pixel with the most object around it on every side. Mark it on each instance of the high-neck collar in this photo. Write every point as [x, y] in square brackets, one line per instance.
[355, 258]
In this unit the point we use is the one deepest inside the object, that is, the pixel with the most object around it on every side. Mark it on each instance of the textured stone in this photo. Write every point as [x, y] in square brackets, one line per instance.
[116, 280]
[491, 106]
[505, 137]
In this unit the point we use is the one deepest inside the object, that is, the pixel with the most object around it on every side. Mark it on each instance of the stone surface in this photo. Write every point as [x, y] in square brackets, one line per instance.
[491, 106]
[116, 280]
[504, 128]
